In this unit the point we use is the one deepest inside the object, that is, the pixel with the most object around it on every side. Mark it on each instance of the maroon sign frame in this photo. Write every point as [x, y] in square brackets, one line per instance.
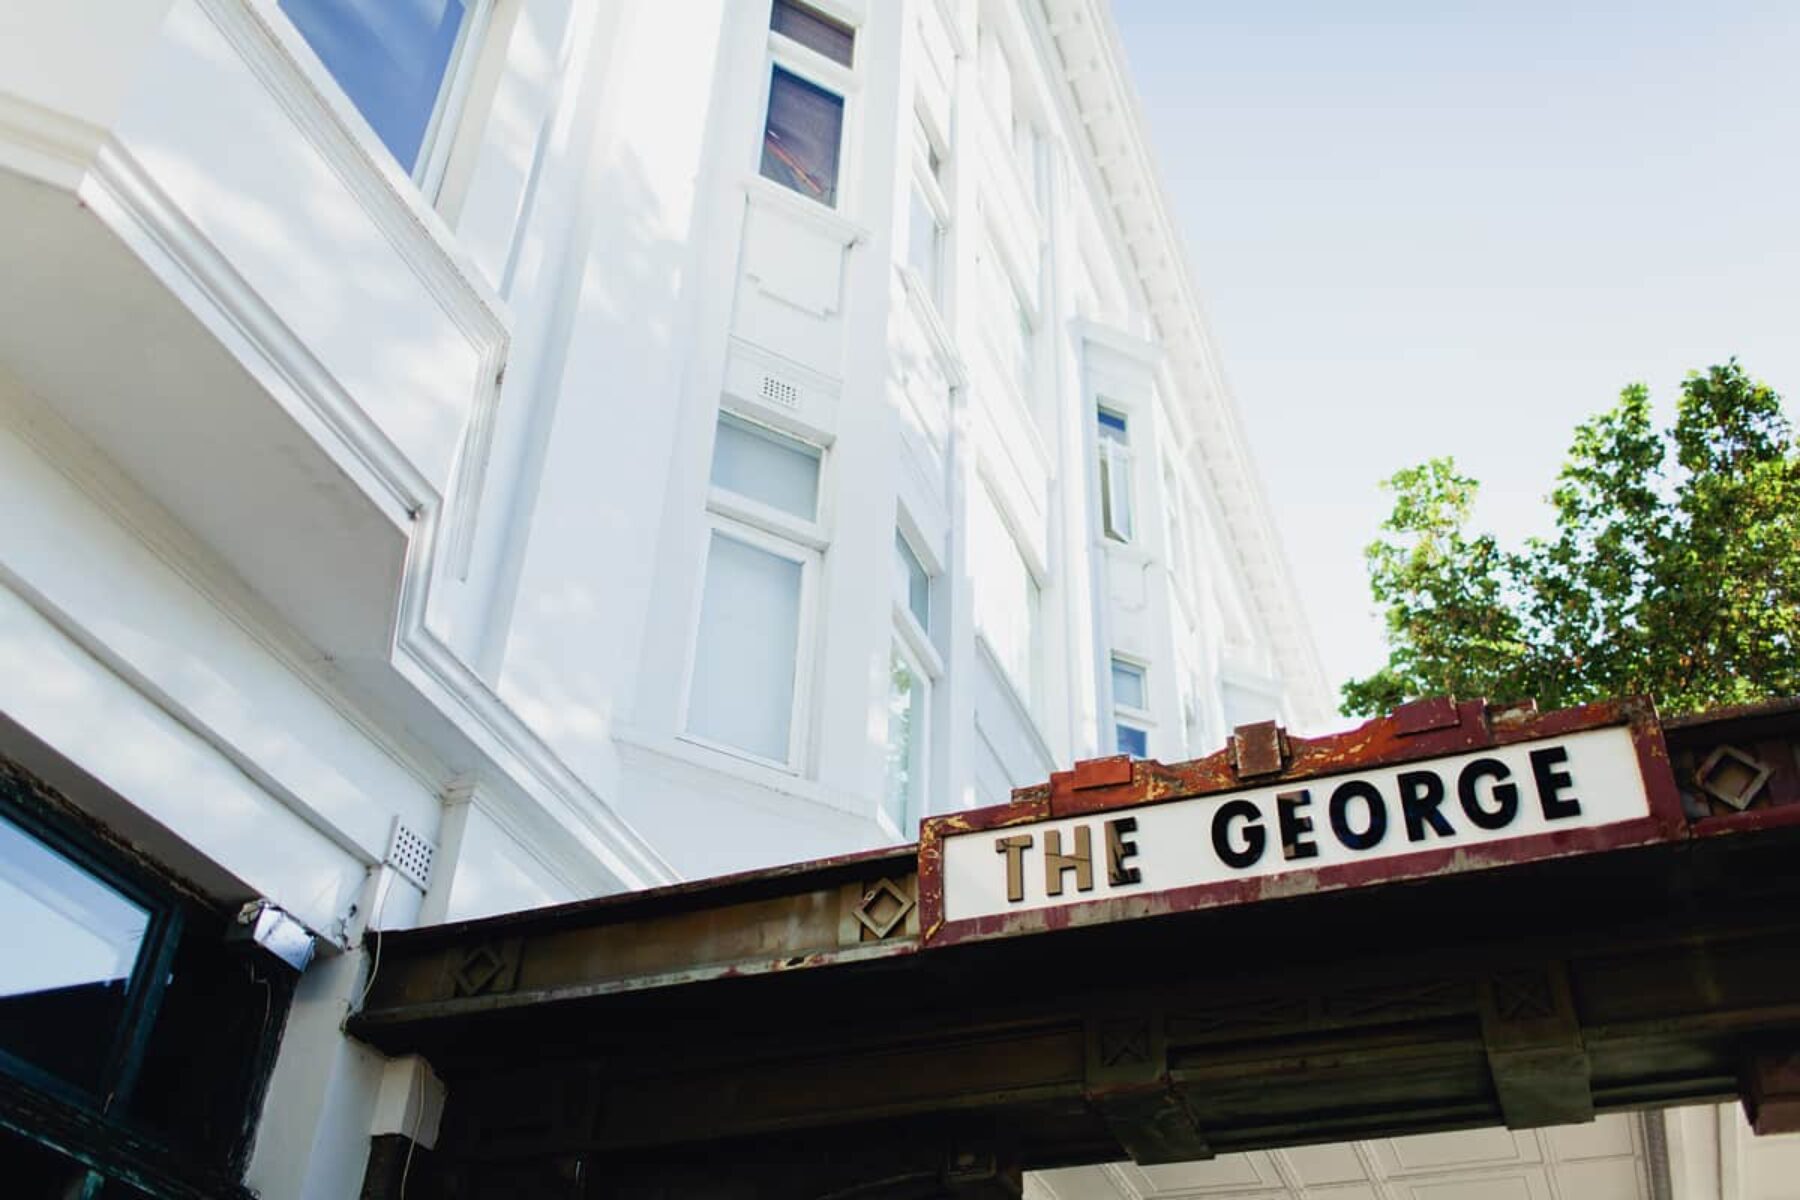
[1263, 755]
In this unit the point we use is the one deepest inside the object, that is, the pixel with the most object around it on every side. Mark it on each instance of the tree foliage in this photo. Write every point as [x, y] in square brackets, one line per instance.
[1674, 570]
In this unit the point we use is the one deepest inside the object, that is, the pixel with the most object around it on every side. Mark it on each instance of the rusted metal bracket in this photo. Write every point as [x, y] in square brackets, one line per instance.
[1259, 749]
[1540, 1065]
[1128, 1083]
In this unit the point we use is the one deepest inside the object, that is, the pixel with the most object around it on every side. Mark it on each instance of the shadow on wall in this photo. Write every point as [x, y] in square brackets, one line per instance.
[600, 454]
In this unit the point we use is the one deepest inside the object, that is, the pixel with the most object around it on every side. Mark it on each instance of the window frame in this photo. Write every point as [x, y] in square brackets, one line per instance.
[810, 66]
[928, 185]
[1112, 454]
[799, 718]
[1127, 716]
[996, 265]
[918, 804]
[149, 972]
[779, 532]
[438, 143]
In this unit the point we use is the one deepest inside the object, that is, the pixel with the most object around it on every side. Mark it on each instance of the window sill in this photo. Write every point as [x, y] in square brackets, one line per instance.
[781, 783]
[827, 221]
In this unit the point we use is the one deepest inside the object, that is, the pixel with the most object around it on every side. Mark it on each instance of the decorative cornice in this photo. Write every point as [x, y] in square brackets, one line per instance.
[1095, 80]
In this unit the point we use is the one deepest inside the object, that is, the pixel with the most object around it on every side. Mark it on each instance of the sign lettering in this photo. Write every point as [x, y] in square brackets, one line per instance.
[1477, 802]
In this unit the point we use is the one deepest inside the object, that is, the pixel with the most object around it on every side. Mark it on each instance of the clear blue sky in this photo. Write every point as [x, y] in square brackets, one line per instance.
[1429, 228]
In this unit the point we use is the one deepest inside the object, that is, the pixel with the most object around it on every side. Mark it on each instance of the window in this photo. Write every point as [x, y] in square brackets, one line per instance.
[1131, 706]
[907, 707]
[742, 691]
[76, 948]
[924, 243]
[1115, 475]
[126, 1015]
[1007, 596]
[814, 30]
[762, 465]
[912, 666]
[1009, 324]
[397, 63]
[802, 137]
[746, 681]
[803, 133]
[912, 582]
[928, 214]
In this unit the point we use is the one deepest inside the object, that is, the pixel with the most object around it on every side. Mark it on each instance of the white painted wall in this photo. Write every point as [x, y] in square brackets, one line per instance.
[428, 544]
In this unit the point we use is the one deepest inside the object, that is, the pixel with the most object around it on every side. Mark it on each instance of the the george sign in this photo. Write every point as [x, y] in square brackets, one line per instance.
[992, 872]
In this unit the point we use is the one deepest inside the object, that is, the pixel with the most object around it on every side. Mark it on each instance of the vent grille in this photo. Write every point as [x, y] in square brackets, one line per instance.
[780, 391]
[410, 854]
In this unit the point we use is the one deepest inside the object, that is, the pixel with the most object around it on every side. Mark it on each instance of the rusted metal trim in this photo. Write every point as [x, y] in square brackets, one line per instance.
[1383, 742]
[686, 896]
[370, 1022]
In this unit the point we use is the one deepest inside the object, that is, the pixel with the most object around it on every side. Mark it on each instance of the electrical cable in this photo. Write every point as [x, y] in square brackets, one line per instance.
[382, 888]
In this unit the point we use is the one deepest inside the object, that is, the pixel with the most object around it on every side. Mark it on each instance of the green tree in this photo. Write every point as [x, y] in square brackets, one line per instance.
[1674, 569]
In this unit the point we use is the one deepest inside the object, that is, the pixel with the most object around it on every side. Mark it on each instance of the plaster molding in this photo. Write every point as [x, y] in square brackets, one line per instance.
[429, 248]
[43, 144]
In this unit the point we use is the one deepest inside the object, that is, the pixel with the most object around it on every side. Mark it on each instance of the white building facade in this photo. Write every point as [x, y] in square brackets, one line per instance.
[481, 454]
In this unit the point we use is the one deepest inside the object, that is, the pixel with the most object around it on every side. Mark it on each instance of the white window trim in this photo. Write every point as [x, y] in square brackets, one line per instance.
[939, 205]
[1125, 714]
[844, 82]
[800, 719]
[442, 129]
[1111, 449]
[766, 517]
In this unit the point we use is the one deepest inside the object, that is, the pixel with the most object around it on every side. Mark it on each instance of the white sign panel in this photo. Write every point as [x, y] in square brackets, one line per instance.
[1581, 781]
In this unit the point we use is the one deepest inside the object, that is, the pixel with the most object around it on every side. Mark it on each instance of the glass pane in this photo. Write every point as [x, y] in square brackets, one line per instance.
[32, 1169]
[1128, 685]
[915, 584]
[922, 243]
[814, 30]
[765, 466]
[743, 686]
[1112, 425]
[1118, 493]
[71, 945]
[390, 59]
[905, 721]
[800, 141]
[1134, 742]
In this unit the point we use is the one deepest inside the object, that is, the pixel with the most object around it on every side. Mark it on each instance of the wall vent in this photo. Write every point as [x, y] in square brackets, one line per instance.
[410, 854]
[780, 391]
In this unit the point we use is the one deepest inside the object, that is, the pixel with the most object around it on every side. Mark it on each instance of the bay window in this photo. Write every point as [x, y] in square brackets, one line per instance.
[403, 66]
